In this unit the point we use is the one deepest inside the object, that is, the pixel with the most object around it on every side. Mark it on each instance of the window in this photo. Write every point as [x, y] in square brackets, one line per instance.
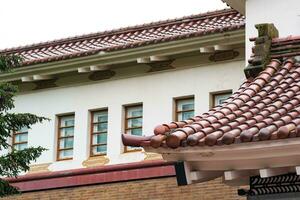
[133, 122]
[65, 137]
[99, 132]
[184, 108]
[219, 98]
[20, 139]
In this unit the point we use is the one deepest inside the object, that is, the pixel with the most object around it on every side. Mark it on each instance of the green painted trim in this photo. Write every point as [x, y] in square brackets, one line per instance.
[128, 55]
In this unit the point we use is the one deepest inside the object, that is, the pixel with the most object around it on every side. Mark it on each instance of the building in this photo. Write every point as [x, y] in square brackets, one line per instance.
[95, 87]
[252, 138]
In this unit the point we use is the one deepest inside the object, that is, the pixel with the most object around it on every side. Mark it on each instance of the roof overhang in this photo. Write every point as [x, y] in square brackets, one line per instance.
[236, 162]
[239, 5]
[128, 55]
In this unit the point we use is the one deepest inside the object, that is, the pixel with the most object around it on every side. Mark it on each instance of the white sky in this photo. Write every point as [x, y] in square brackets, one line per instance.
[31, 21]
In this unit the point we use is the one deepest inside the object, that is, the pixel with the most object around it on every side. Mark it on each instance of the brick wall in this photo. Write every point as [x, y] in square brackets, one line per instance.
[156, 189]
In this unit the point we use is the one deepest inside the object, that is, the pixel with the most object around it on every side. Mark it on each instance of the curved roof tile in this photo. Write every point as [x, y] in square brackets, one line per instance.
[130, 37]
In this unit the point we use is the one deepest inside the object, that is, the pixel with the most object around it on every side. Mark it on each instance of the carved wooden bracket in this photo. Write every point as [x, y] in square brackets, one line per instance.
[223, 55]
[161, 65]
[43, 84]
[101, 75]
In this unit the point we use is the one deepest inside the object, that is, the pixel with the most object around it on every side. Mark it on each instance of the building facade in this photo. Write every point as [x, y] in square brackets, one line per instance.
[95, 87]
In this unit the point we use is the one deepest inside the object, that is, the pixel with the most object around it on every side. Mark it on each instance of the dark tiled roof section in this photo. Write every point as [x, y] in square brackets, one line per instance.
[130, 37]
[264, 108]
[285, 47]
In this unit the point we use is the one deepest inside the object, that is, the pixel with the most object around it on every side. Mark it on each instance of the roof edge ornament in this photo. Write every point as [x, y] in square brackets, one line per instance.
[261, 49]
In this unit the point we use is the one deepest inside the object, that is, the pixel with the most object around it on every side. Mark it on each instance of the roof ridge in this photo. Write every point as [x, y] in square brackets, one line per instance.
[118, 30]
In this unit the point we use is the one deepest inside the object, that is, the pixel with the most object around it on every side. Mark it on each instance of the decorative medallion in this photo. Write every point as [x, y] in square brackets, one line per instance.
[152, 156]
[223, 55]
[101, 75]
[161, 65]
[38, 168]
[95, 161]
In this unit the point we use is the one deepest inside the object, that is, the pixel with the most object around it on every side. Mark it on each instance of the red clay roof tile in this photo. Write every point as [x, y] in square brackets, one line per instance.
[264, 108]
[130, 37]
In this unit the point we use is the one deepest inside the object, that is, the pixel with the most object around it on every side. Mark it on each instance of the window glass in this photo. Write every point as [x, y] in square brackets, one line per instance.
[99, 132]
[220, 98]
[65, 137]
[184, 109]
[133, 122]
[20, 139]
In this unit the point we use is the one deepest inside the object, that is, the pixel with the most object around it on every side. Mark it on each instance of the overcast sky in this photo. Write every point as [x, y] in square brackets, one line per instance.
[30, 21]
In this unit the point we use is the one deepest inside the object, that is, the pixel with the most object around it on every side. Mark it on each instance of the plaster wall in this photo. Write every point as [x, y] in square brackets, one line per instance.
[155, 91]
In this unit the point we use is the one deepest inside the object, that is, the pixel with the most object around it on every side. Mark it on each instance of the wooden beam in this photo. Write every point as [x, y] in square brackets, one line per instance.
[101, 53]
[223, 47]
[264, 173]
[27, 79]
[42, 77]
[202, 176]
[199, 176]
[83, 69]
[143, 60]
[238, 174]
[158, 58]
[99, 68]
[207, 49]
[297, 168]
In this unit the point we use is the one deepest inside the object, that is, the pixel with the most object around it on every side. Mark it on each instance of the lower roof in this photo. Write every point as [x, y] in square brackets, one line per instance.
[265, 108]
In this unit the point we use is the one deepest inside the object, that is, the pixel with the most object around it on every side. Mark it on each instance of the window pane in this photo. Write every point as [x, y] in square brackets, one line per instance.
[67, 121]
[21, 138]
[67, 131]
[66, 154]
[137, 122]
[134, 111]
[185, 115]
[66, 143]
[101, 116]
[137, 131]
[99, 149]
[185, 104]
[100, 127]
[23, 130]
[20, 146]
[100, 138]
[220, 98]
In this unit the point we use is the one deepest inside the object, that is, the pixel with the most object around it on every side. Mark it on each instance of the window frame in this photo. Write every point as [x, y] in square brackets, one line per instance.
[58, 150]
[176, 100]
[92, 132]
[126, 107]
[213, 96]
[15, 133]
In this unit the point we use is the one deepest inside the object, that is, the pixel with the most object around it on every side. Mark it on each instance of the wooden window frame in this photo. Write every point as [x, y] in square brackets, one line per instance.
[126, 107]
[176, 100]
[92, 133]
[58, 150]
[18, 143]
[214, 94]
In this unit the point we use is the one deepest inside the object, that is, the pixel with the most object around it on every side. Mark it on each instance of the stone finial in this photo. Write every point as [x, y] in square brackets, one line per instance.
[267, 30]
[261, 50]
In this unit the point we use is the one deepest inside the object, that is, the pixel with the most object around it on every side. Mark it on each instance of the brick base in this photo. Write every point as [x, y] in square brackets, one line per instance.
[157, 189]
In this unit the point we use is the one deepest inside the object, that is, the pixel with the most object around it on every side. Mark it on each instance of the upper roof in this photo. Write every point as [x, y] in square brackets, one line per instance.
[266, 107]
[130, 37]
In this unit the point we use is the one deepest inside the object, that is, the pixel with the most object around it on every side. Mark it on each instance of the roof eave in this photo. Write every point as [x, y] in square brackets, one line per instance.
[127, 55]
[245, 159]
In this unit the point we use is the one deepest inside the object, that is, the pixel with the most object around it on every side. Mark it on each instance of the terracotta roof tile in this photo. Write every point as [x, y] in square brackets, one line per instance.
[130, 37]
[264, 108]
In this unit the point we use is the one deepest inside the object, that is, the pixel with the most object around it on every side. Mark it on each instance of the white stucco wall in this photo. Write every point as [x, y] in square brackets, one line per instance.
[284, 14]
[155, 91]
